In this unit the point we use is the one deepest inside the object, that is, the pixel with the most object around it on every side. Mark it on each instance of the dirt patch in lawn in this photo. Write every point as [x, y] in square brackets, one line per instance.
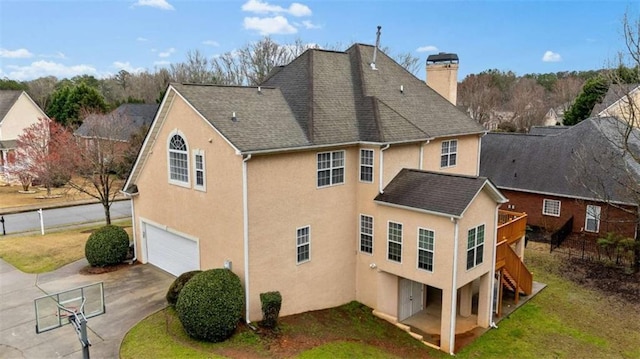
[611, 280]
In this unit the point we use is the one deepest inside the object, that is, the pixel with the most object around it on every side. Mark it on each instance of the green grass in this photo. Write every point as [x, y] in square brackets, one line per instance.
[39, 254]
[565, 320]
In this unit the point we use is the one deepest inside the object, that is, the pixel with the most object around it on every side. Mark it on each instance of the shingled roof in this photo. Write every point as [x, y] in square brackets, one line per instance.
[434, 192]
[7, 99]
[130, 117]
[582, 162]
[328, 97]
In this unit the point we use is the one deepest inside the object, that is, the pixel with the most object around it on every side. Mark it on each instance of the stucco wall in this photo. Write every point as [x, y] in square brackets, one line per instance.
[467, 157]
[23, 114]
[214, 216]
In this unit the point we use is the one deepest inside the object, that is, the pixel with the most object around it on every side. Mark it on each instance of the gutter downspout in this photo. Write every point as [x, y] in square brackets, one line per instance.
[454, 288]
[493, 271]
[420, 165]
[133, 226]
[245, 225]
[380, 186]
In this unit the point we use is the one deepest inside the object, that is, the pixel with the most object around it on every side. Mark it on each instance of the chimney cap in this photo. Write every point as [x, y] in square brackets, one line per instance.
[443, 57]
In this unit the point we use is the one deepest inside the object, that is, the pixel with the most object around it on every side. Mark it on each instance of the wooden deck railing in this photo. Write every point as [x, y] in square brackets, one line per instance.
[507, 259]
[512, 226]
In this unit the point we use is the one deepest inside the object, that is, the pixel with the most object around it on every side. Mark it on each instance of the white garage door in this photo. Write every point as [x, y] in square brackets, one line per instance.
[171, 252]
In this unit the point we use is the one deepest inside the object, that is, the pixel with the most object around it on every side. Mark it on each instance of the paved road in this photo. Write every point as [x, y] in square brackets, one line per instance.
[57, 217]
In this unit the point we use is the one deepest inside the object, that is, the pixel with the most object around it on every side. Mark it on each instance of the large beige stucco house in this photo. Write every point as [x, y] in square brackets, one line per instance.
[336, 180]
[622, 101]
[17, 112]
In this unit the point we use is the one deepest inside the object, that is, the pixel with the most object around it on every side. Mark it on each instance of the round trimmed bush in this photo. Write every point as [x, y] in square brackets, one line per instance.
[178, 284]
[210, 305]
[107, 246]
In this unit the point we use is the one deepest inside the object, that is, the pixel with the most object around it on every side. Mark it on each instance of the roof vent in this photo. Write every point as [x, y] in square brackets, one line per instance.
[375, 50]
[233, 117]
[401, 89]
[259, 89]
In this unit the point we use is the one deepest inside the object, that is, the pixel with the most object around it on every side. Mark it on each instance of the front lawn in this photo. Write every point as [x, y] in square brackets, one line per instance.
[38, 254]
[565, 320]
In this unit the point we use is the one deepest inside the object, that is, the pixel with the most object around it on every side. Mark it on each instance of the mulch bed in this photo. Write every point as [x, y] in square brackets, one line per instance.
[89, 270]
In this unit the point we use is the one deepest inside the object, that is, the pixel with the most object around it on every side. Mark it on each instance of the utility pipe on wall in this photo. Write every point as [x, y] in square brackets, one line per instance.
[380, 185]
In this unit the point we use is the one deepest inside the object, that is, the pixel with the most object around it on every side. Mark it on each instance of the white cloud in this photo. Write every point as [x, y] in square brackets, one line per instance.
[161, 63]
[48, 68]
[57, 55]
[428, 48]
[309, 25]
[119, 65]
[142, 39]
[15, 54]
[269, 25]
[260, 7]
[550, 56]
[167, 53]
[211, 43]
[159, 4]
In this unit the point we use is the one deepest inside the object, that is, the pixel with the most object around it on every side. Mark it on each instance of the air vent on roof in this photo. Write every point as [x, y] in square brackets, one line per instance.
[233, 117]
[375, 50]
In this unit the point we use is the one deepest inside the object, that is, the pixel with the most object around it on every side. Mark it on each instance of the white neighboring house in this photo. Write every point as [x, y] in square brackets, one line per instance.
[17, 112]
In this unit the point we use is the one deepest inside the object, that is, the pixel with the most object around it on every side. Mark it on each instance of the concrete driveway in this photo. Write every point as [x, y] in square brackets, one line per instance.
[131, 294]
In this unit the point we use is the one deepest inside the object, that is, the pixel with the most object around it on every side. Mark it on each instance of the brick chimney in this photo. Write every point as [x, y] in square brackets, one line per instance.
[442, 75]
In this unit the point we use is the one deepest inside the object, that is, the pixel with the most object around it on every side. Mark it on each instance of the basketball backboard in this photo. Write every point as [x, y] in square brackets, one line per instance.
[53, 310]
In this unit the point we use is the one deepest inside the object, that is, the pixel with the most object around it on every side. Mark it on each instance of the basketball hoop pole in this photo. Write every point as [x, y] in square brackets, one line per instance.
[79, 322]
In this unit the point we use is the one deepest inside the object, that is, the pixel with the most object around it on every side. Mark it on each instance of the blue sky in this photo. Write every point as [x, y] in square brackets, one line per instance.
[65, 38]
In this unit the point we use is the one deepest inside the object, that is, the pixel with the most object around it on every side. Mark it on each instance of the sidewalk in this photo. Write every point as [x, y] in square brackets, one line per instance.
[44, 205]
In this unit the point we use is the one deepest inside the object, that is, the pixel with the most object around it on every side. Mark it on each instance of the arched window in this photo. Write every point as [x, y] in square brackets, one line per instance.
[178, 160]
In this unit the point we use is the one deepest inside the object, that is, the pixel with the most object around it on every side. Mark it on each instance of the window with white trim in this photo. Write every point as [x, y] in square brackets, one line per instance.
[551, 207]
[178, 160]
[366, 165]
[449, 153]
[475, 246]
[426, 239]
[199, 170]
[592, 222]
[366, 234]
[303, 244]
[394, 243]
[330, 168]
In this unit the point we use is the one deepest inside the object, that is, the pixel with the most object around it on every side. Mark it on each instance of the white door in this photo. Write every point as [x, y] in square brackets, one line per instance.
[172, 252]
[411, 298]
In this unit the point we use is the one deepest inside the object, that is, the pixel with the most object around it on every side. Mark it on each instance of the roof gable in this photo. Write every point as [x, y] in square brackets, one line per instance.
[615, 94]
[434, 192]
[7, 99]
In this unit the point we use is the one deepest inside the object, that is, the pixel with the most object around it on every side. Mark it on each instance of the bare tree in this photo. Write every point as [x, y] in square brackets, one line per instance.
[565, 91]
[478, 94]
[102, 145]
[196, 69]
[527, 103]
[620, 167]
[41, 89]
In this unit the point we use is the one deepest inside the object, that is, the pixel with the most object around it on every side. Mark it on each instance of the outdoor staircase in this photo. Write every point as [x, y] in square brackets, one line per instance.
[514, 274]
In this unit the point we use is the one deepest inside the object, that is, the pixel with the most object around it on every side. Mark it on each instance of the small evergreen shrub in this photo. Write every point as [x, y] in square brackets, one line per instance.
[210, 305]
[271, 303]
[178, 284]
[107, 246]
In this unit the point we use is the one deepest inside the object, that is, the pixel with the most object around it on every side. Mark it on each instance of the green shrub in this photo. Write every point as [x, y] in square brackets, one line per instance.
[271, 303]
[210, 305]
[106, 246]
[178, 284]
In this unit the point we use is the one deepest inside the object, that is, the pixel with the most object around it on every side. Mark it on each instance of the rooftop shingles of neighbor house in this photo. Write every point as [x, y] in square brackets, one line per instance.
[583, 161]
[614, 93]
[327, 97]
[547, 130]
[130, 117]
[7, 99]
[446, 194]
